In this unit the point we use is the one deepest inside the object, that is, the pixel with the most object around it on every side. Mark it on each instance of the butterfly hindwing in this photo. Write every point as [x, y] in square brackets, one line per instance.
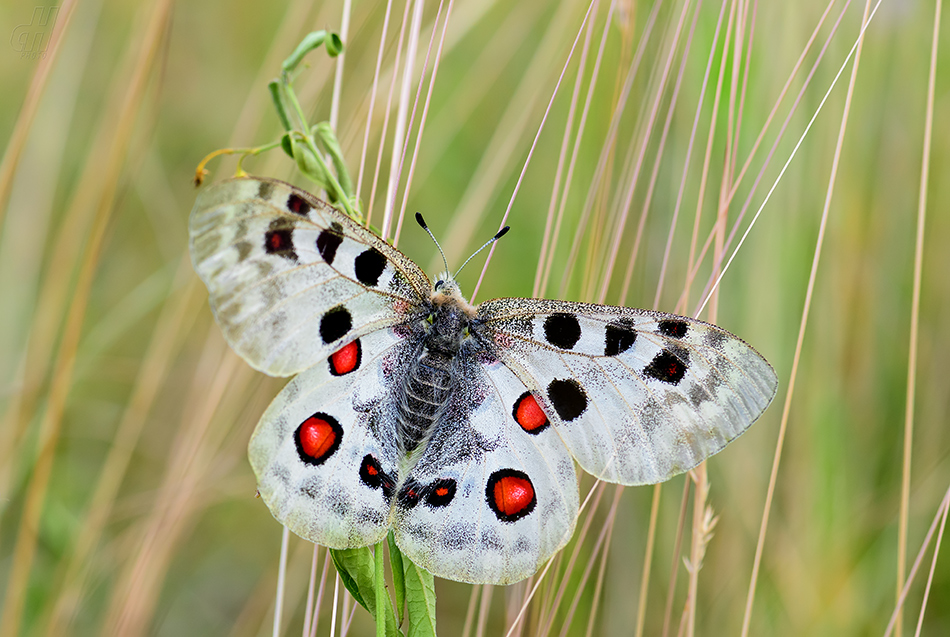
[324, 452]
[291, 278]
[637, 396]
[489, 501]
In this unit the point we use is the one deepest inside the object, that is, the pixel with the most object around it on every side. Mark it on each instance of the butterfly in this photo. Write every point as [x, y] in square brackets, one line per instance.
[455, 426]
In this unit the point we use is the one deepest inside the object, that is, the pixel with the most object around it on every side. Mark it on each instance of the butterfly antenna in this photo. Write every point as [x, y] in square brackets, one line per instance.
[498, 235]
[422, 222]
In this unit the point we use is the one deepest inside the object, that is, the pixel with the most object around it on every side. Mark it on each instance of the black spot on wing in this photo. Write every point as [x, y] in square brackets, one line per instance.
[440, 493]
[327, 243]
[297, 205]
[335, 324]
[369, 265]
[618, 339]
[264, 190]
[568, 398]
[409, 494]
[669, 366]
[373, 476]
[562, 330]
[278, 239]
[673, 328]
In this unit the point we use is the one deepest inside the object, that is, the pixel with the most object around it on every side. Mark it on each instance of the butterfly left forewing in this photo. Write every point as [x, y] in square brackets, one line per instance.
[290, 278]
[490, 500]
[637, 396]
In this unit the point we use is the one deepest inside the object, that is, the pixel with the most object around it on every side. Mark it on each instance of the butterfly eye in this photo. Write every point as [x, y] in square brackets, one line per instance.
[439, 284]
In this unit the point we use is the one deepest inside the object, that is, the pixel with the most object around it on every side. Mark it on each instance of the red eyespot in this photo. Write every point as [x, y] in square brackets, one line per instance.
[318, 438]
[510, 494]
[442, 492]
[528, 414]
[346, 359]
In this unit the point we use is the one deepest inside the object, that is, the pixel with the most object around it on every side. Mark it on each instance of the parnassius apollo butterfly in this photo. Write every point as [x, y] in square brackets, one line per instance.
[456, 426]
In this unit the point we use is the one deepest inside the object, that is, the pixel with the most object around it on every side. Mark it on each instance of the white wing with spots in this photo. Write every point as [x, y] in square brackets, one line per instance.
[489, 501]
[637, 396]
[324, 452]
[291, 278]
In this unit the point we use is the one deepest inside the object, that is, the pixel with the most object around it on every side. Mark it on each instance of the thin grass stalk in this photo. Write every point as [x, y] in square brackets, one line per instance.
[597, 491]
[387, 113]
[710, 137]
[547, 255]
[470, 612]
[812, 277]
[31, 104]
[599, 545]
[677, 551]
[167, 338]
[340, 62]
[333, 608]
[495, 162]
[914, 326]
[938, 516]
[933, 563]
[681, 191]
[425, 110]
[527, 161]
[768, 159]
[50, 426]
[372, 99]
[648, 559]
[640, 157]
[402, 113]
[602, 570]
[715, 284]
[667, 124]
[323, 581]
[604, 161]
[484, 606]
[543, 256]
[281, 578]
[309, 615]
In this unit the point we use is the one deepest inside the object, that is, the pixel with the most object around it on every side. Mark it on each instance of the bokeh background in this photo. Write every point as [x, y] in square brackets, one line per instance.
[126, 502]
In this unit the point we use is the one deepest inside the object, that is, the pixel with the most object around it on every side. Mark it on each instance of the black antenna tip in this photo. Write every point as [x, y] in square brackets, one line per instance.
[421, 221]
[501, 233]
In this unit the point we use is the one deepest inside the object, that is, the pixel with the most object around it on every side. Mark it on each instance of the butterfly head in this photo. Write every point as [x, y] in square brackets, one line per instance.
[446, 291]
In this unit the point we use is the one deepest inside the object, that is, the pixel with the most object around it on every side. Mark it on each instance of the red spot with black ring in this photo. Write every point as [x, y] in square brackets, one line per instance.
[318, 438]
[528, 414]
[346, 359]
[510, 494]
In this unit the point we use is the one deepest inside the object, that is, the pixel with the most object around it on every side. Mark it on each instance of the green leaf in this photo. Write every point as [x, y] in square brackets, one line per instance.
[328, 141]
[287, 145]
[357, 571]
[310, 41]
[420, 601]
[279, 100]
[354, 566]
[399, 577]
[334, 45]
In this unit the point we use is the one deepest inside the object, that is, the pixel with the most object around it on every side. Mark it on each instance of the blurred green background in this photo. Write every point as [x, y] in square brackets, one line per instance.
[126, 502]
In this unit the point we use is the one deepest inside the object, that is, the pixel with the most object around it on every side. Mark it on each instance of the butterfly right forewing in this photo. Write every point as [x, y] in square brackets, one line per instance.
[637, 396]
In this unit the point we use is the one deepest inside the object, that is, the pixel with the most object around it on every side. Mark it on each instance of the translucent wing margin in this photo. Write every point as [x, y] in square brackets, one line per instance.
[637, 396]
[291, 278]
